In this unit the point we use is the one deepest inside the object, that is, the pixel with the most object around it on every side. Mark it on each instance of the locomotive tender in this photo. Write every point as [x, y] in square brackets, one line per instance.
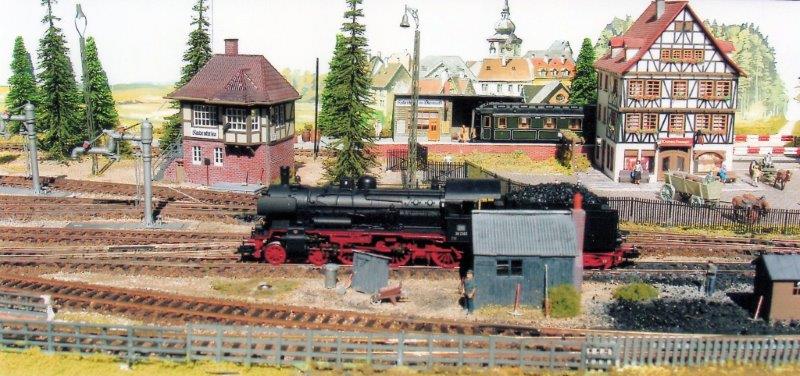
[321, 224]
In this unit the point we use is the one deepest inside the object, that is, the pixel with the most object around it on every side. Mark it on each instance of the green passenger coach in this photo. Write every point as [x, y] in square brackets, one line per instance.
[519, 122]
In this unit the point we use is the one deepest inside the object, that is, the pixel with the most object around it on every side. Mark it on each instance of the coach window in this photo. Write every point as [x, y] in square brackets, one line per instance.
[549, 123]
[524, 123]
[575, 124]
[509, 267]
[502, 122]
[487, 121]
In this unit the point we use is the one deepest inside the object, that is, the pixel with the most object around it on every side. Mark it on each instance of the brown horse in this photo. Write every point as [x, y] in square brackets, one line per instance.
[781, 178]
[749, 208]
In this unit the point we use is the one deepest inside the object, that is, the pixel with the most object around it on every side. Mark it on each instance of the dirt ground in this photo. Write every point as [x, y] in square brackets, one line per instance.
[426, 299]
[311, 171]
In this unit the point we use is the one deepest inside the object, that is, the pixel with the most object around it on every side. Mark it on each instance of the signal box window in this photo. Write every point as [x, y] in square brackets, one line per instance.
[204, 116]
[236, 118]
[217, 156]
[510, 267]
[197, 156]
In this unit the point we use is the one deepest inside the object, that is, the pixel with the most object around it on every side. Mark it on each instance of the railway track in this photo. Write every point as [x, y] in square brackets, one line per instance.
[670, 244]
[80, 236]
[160, 307]
[73, 209]
[131, 190]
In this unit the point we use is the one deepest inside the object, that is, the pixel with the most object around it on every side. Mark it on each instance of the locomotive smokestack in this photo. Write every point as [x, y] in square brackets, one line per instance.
[284, 175]
[579, 219]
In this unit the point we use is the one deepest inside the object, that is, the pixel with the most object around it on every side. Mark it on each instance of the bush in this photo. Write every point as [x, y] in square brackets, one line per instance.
[636, 292]
[565, 301]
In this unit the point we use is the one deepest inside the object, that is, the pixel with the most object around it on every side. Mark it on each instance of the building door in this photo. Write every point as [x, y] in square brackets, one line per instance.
[433, 129]
[673, 160]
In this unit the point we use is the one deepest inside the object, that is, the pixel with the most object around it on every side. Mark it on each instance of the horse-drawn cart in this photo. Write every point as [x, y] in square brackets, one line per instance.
[695, 190]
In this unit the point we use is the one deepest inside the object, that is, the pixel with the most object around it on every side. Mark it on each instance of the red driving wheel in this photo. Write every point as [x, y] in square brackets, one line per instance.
[317, 257]
[274, 253]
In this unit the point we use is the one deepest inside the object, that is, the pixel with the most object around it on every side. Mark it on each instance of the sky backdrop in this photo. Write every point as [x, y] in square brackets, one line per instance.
[143, 40]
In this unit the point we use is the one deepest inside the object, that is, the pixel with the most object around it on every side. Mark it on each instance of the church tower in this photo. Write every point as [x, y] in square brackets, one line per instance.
[504, 43]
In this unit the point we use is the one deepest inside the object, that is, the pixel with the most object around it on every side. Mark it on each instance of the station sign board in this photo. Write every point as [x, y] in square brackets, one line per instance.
[211, 133]
[421, 103]
[675, 142]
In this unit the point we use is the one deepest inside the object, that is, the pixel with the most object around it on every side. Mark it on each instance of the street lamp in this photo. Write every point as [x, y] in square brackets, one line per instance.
[80, 17]
[412, 137]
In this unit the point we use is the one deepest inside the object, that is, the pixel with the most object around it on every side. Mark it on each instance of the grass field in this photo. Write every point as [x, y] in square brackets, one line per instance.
[762, 126]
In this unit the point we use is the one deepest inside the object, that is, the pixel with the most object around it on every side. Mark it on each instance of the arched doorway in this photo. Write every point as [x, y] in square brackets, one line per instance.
[708, 161]
[673, 160]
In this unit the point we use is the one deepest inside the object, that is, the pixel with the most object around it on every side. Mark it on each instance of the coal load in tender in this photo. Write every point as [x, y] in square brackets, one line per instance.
[691, 316]
[552, 196]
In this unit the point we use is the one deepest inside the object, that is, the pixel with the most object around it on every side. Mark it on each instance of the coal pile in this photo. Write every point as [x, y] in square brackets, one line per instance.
[552, 196]
[692, 316]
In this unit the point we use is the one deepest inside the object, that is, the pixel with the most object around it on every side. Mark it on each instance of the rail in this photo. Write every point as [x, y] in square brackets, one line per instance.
[277, 346]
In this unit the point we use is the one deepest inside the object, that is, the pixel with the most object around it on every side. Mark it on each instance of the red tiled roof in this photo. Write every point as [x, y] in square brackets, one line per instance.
[237, 79]
[644, 32]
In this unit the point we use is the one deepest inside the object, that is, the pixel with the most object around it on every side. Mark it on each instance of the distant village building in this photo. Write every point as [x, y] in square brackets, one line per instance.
[238, 121]
[553, 92]
[556, 63]
[437, 66]
[667, 93]
[388, 80]
[504, 42]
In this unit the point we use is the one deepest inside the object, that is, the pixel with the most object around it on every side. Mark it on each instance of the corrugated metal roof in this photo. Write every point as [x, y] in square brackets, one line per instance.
[782, 267]
[523, 233]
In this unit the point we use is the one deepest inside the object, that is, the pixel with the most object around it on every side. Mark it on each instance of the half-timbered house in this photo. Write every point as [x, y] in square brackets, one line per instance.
[666, 96]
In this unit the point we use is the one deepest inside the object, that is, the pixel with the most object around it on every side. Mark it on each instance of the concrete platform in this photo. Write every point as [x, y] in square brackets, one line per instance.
[14, 191]
[236, 187]
[126, 226]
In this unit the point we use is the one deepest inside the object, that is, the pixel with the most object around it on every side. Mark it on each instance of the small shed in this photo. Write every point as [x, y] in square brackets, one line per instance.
[513, 247]
[777, 280]
[370, 272]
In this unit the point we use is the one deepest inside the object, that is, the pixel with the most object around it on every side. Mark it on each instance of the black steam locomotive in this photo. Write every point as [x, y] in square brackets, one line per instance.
[321, 224]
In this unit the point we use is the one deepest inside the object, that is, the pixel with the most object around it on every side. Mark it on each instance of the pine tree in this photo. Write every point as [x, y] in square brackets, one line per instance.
[59, 114]
[104, 111]
[348, 114]
[196, 56]
[332, 93]
[22, 83]
[584, 86]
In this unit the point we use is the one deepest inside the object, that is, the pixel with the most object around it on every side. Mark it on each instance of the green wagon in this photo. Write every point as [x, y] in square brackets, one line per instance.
[695, 190]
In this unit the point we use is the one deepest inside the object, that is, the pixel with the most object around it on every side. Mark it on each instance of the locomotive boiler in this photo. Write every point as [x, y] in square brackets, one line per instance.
[322, 224]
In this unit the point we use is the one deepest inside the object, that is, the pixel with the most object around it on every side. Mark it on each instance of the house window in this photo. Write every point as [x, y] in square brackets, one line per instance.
[502, 122]
[665, 54]
[510, 88]
[236, 118]
[702, 123]
[719, 124]
[677, 55]
[633, 122]
[499, 88]
[722, 89]
[204, 116]
[636, 88]
[676, 124]
[255, 119]
[649, 123]
[575, 124]
[549, 123]
[524, 123]
[217, 156]
[652, 89]
[277, 115]
[680, 89]
[485, 87]
[197, 156]
[699, 55]
[684, 25]
[706, 89]
[565, 73]
[614, 87]
[512, 267]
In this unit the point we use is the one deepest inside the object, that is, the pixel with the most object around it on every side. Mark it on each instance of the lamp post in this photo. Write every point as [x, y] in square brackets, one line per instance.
[412, 136]
[80, 17]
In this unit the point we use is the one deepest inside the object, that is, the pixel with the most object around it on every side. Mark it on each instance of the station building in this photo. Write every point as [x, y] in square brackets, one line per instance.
[667, 93]
[238, 121]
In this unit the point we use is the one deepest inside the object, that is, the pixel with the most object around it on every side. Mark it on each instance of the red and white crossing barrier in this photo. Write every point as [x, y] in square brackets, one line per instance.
[764, 138]
[762, 150]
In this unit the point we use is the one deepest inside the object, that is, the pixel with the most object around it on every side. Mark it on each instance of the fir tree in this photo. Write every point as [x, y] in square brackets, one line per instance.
[196, 56]
[584, 86]
[59, 114]
[332, 92]
[104, 112]
[22, 83]
[348, 115]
